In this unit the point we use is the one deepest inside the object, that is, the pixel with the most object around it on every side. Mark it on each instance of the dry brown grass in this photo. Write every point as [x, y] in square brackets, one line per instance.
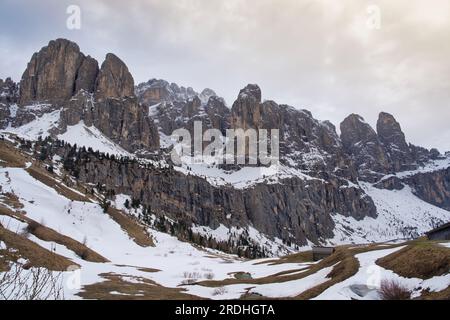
[440, 295]
[281, 277]
[131, 227]
[34, 253]
[343, 259]
[420, 259]
[11, 157]
[10, 199]
[47, 234]
[145, 289]
[343, 270]
[301, 257]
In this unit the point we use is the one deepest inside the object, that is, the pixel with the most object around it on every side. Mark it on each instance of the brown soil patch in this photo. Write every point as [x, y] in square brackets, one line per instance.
[117, 288]
[300, 257]
[34, 253]
[10, 156]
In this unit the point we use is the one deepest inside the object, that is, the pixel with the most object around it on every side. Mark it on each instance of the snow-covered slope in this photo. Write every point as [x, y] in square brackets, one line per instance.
[78, 134]
[82, 135]
[87, 223]
[401, 215]
[176, 264]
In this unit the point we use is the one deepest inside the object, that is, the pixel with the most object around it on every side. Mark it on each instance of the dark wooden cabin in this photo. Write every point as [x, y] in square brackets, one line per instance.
[440, 233]
[321, 252]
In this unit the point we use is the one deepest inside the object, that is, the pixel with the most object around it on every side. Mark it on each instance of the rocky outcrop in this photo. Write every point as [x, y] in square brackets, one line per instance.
[390, 133]
[157, 91]
[175, 107]
[294, 210]
[124, 121]
[246, 110]
[382, 152]
[432, 187]
[362, 143]
[8, 91]
[87, 75]
[60, 77]
[305, 143]
[394, 143]
[8, 98]
[114, 80]
[56, 73]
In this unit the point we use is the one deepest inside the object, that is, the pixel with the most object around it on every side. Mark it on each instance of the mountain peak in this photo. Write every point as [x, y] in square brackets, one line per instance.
[250, 90]
[52, 73]
[114, 80]
[390, 132]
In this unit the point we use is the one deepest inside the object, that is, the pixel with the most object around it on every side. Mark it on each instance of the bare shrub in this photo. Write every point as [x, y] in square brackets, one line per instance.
[84, 254]
[188, 281]
[219, 291]
[20, 283]
[32, 226]
[191, 277]
[394, 290]
[209, 275]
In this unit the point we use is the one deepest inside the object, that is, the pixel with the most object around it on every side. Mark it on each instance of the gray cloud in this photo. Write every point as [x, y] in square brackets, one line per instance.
[318, 55]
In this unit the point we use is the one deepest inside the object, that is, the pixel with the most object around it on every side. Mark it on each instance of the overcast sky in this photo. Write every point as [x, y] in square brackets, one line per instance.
[330, 57]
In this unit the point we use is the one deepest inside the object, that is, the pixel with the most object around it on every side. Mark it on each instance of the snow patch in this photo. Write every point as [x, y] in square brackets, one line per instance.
[82, 135]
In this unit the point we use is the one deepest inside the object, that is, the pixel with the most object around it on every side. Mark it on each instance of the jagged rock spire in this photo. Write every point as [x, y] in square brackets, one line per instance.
[56, 72]
[114, 80]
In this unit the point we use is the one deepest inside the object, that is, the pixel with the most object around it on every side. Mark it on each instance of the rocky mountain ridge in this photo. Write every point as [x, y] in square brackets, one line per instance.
[318, 179]
[60, 77]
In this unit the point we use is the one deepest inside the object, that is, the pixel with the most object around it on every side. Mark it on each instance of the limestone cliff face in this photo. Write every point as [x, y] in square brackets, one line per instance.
[114, 80]
[362, 143]
[60, 77]
[385, 151]
[64, 78]
[305, 143]
[246, 110]
[394, 142]
[432, 187]
[293, 210]
[8, 97]
[56, 72]
[87, 75]
[174, 107]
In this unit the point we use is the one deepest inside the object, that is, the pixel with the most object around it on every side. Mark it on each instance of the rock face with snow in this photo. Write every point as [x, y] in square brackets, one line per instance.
[382, 152]
[326, 172]
[124, 120]
[362, 143]
[60, 77]
[8, 96]
[305, 143]
[394, 142]
[294, 210]
[175, 107]
[8, 91]
[432, 187]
